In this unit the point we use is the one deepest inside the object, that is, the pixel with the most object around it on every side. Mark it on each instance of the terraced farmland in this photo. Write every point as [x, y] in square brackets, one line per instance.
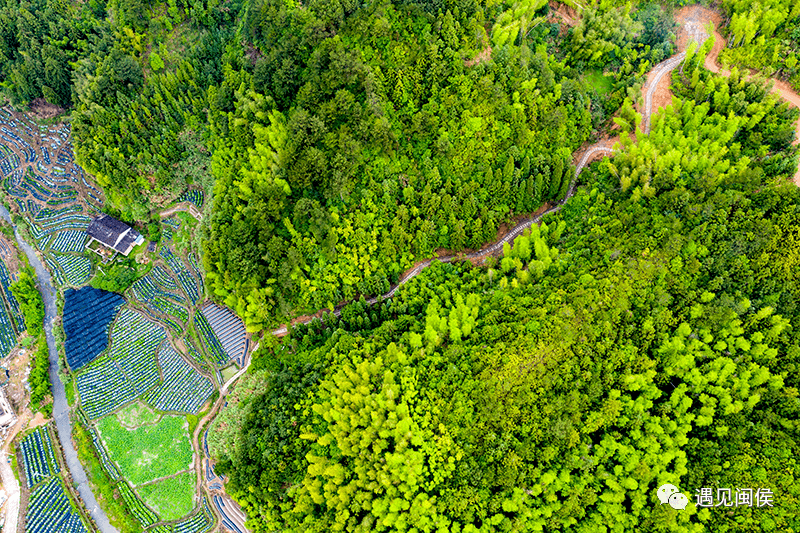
[198, 523]
[162, 297]
[71, 240]
[127, 371]
[76, 269]
[184, 389]
[87, 315]
[110, 468]
[39, 173]
[187, 282]
[11, 322]
[148, 452]
[228, 329]
[38, 458]
[51, 511]
[210, 341]
[143, 514]
[171, 498]
[10, 300]
[193, 196]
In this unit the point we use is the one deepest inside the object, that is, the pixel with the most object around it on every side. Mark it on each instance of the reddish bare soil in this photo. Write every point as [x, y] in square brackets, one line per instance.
[563, 14]
[482, 57]
[662, 97]
[697, 14]
[42, 109]
[606, 142]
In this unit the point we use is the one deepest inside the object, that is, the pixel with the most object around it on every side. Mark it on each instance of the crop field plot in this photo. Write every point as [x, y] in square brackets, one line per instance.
[71, 240]
[228, 329]
[210, 341]
[87, 315]
[193, 196]
[110, 468]
[148, 452]
[145, 516]
[8, 337]
[134, 341]
[58, 275]
[198, 523]
[127, 370]
[171, 498]
[187, 282]
[103, 387]
[10, 300]
[184, 389]
[11, 322]
[162, 297]
[194, 266]
[77, 269]
[197, 356]
[170, 226]
[38, 457]
[50, 510]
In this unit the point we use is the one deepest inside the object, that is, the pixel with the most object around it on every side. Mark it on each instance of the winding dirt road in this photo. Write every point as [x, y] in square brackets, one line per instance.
[697, 18]
[693, 21]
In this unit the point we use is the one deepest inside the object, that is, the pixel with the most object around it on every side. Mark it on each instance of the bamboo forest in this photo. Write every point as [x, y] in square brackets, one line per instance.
[424, 266]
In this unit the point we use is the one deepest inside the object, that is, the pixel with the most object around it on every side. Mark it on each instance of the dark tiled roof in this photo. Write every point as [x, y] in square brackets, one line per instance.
[113, 233]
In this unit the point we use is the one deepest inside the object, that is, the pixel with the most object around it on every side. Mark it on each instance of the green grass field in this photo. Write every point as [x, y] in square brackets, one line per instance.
[148, 452]
[137, 414]
[229, 372]
[596, 80]
[171, 498]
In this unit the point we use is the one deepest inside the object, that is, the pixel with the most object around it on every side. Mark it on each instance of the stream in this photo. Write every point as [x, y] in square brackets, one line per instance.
[60, 406]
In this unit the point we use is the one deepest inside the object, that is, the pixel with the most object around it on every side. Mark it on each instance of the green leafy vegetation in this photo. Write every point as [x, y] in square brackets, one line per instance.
[30, 301]
[171, 498]
[348, 142]
[39, 378]
[765, 36]
[104, 488]
[119, 275]
[148, 452]
[640, 336]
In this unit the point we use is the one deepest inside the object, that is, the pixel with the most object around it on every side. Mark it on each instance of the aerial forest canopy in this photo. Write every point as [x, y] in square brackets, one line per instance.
[766, 36]
[341, 141]
[643, 335]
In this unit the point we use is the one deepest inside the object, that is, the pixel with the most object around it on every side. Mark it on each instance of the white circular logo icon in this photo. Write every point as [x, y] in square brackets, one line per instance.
[669, 493]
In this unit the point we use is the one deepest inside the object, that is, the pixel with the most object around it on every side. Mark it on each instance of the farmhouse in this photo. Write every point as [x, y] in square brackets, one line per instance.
[113, 234]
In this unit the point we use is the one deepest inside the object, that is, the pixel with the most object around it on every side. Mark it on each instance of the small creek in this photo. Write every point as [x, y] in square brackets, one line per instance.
[60, 406]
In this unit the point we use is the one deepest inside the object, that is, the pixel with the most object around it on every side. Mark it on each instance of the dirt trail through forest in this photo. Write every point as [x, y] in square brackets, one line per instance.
[696, 18]
[657, 95]
[693, 21]
[581, 158]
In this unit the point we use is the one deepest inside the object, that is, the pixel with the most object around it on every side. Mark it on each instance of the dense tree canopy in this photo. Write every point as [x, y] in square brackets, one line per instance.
[642, 335]
[765, 35]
